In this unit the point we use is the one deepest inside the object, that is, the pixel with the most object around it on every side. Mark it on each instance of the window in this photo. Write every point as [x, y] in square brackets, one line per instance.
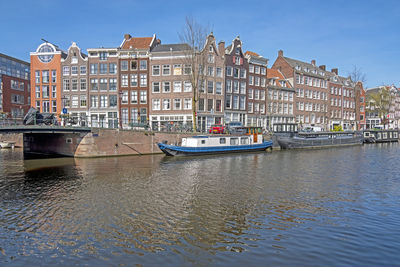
[66, 85]
[210, 87]
[187, 103]
[45, 76]
[242, 104]
[236, 102]
[103, 68]
[234, 141]
[45, 91]
[112, 68]
[219, 72]
[236, 87]
[74, 84]
[65, 70]
[250, 93]
[243, 87]
[236, 72]
[210, 58]
[134, 81]
[166, 87]
[83, 69]
[83, 84]
[134, 65]
[228, 101]
[244, 140]
[134, 115]
[103, 101]
[166, 70]
[222, 140]
[177, 104]
[103, 84]
[166, 104]
[156, 104]
[54, 91]
[67, 101]
[143, 97]
[257, 81]
[229, 71]
[187, 69]
[124, 65]
[94, 101]
[251, 80]
[201, 104]
[156, 87]
[187, 86]
[124, 115]
[143, 64]
[37, 76]
[134, 97]
[74, 70]
[177, 86]
[124, 99]
[124, 80]
[103, 55]
[177, 69]
[83, 102]
[210, 104]
[218, 88]
[113, 84]
[156, 70]
[262, 95]
[54, 76]
[242, 73]
[93, 68]
[143, 80]
[228, 86]
[75, 101]
[54, 106]
[210, 71]
[218, 105]
[251, 68]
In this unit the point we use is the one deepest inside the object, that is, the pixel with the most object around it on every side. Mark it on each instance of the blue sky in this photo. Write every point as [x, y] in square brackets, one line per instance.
[338, 34]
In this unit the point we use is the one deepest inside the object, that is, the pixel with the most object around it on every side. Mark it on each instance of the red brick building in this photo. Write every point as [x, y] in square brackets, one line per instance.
[360, 106]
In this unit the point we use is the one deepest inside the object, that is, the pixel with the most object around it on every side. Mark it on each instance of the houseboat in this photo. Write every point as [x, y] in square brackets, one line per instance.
[208, 144]
[381, 136]
[288, 137]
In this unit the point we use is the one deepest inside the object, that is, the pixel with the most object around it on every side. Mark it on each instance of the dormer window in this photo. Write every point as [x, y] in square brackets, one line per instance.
[298, 67]
[210, 49]
[237, 51]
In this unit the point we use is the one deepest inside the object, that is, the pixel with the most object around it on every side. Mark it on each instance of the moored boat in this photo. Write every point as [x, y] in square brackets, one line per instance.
[380, 136]
[207, 144]
[7, 144]
[320, 139]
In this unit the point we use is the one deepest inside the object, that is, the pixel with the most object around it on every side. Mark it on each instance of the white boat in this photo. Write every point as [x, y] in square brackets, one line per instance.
[7, 144]
[208, 144]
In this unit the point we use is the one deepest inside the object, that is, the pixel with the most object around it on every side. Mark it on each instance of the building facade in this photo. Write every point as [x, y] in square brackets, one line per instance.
[280, 99]
[46, 78]
[256, 90]
[311, 85]
[74, 94]
[103, 87]
[236, 81]
[171, 95]
[210, 104]
[134, 76]
[360, 106]
[15, 98]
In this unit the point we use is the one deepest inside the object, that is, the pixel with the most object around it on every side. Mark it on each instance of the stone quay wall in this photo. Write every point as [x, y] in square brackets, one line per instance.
[14, 137]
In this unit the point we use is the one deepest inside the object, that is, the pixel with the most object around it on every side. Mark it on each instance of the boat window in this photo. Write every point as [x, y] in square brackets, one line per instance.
[203, 142]
[394, 135]
[390, 135]
[222, 141]
[379, 136]
[366, 134]
[234, 141]
[384, 135]
[244, 141]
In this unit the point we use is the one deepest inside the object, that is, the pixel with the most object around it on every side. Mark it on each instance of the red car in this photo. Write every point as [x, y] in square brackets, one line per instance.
[217, 129]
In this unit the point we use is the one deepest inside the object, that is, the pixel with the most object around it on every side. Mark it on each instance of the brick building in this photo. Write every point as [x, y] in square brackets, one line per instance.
[210, 104]
[311, 85]
[360, 106]
[74, 93]
[280, 99]
[236, 81]
[46, 78]
[15, 98]
[256, 90]
[102, 87]
[171, 94]
[134, 78]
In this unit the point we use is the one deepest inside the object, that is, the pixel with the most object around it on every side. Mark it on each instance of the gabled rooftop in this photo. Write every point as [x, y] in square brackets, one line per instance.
[130, 42]
[171, 48]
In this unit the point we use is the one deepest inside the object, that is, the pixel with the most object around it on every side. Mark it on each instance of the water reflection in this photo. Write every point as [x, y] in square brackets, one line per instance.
[227, 209]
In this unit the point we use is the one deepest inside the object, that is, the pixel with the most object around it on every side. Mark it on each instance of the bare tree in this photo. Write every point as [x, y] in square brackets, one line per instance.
[194, 35]
[379, 102]
[357, 75]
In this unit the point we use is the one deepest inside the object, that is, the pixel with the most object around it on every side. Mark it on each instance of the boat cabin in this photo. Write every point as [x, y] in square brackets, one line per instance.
[380, 136]
[280, 128]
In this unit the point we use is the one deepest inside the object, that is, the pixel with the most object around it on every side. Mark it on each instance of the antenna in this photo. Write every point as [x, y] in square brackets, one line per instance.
[45, 40]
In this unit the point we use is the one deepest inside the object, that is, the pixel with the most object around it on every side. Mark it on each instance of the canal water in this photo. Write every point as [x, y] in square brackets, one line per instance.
[335, 207]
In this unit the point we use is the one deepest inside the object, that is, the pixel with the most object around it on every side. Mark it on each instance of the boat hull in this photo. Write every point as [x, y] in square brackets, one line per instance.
[171, 150]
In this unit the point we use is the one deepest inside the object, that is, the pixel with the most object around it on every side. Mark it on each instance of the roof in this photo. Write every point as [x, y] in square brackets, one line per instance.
[301, 66]
[14, 59]
[137, 43]
[274, 73]
[250, 53]
[171, 47]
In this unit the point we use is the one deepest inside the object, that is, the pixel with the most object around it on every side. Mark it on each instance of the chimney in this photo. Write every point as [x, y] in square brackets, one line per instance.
[313, 62]
[127, 36]
[280, 53]
[221, 48]
[322, 67]
[335, 71]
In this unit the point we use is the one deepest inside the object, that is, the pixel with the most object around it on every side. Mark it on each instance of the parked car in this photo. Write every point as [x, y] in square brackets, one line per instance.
[217, 129]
